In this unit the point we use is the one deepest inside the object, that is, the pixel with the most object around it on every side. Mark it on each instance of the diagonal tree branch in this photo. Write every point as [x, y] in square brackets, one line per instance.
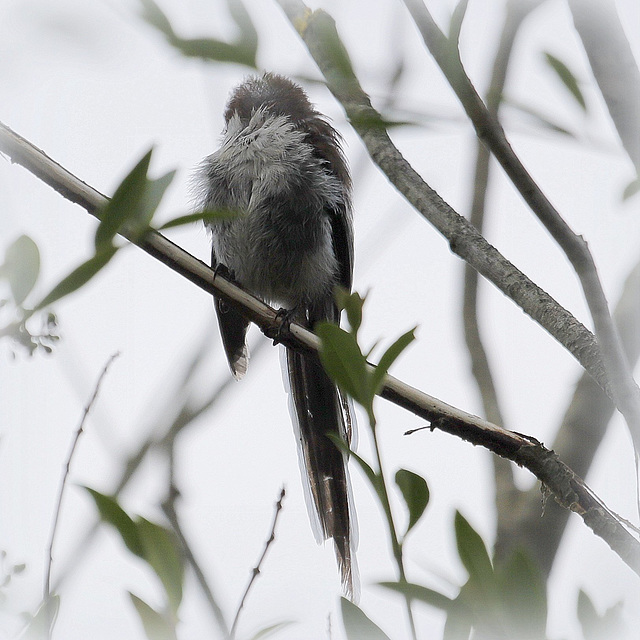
[318, 31]
[582, 430]
[569, 489]
[622, 387]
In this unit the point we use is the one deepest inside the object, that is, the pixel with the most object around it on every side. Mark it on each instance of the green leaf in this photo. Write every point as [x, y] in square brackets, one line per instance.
[242, 52]
[538, 117]
[418, 592]
[153, 194]
[41, 624]
[248, 34]
[112, 513]
[522, 593]
[204, 216]
[389, 357]
[567, 78]
[357, 625]
[126, 204]
[458, 625]
[631, 189]
[79, 276]
[21, 267]
[352, 303]
[342, 359]
[156, 626]
[473, 552]
[153, 15]
[162, 551]
[415, 493]
[597, 627]
[271, 629]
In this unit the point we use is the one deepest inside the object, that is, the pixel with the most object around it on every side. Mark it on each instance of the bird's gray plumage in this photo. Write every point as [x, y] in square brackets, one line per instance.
[281, 168]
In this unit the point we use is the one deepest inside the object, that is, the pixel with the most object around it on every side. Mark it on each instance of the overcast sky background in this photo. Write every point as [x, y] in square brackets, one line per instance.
[93, 86]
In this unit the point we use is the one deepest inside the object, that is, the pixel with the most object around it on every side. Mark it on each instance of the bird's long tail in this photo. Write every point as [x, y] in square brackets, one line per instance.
[319, 409]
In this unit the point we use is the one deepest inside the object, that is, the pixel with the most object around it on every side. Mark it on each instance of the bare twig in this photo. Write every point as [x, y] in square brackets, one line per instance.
[47, 595]
[168, 507]
[256, 569]
[568, 488]
[621, 387]
[65, 475]
[506, 491]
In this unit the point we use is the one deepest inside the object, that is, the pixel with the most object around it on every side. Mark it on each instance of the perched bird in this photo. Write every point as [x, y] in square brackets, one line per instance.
[281, 168]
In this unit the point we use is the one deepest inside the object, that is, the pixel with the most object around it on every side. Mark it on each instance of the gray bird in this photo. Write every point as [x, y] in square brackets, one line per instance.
[282, 169]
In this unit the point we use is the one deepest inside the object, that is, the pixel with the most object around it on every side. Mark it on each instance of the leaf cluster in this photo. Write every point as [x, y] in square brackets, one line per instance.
[160, 549]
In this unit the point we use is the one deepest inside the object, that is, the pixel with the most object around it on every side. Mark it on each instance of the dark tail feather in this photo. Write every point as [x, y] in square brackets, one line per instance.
[318, 410]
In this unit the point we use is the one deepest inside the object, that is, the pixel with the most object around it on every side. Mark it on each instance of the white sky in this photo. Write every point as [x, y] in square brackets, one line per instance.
[94, 87]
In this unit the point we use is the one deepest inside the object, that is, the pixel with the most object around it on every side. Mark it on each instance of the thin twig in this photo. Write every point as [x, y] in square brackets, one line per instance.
[65, 475]
[168, 507]
[186, 416]
[256, 570]
[506, 492]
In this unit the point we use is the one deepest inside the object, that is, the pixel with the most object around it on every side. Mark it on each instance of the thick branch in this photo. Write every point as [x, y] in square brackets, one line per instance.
[318, 32]
[623, 388]
[584, 425]
[569, 490]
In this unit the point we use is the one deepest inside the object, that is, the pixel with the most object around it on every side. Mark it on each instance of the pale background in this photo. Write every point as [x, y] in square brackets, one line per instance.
[95, 87]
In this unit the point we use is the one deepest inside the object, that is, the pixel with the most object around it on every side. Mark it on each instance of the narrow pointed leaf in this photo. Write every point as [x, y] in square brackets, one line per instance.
[418, 592]
[21, 267]
[153, 15]
[389, 357]
[248, 33]
[352, 303]
[242, 52]
[156, 626]
[201, 216]
[473, 552]
[112, 513]
[631, 189]
[415, 493]
[458, 625]
[342, 359]
[523, 595]
[126, 204]
[162, 551]
[41, 624]
[567, 78]
[79, 276]
[153, 194]
[271, 629]
[600, 627]
[357, 625]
